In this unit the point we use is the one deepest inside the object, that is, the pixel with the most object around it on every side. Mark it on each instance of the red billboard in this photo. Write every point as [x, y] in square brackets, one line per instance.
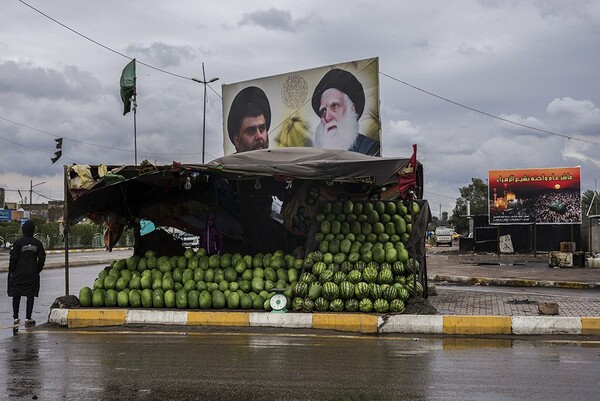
[333, 107]
[536, 195]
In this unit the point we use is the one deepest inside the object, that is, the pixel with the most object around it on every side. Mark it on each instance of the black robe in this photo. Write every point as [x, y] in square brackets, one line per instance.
[27, 258]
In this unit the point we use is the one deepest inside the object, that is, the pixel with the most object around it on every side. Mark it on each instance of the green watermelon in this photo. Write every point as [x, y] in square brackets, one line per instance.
[158, 298]
[135, 299]
[245, 301]
[338, 277]
[233, 300]
[351, 305]
[354, 276]
[331, 291]
[98, 296]
[397, 306]
[337, 305]
[218, 300]
[170, 299]
[297, 304]
[381, 305]
[315, 291]
[123, 298]
[385, 276]
[346, 290]
[321, 304]
[365, 305]
[258, 302]
[390, 293]
[110, 298]
[370, 274]
[205, 300]
[147, 298]
[85, 296]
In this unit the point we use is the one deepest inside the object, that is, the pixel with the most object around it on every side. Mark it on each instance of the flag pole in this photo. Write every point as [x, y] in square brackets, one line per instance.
[135, 126]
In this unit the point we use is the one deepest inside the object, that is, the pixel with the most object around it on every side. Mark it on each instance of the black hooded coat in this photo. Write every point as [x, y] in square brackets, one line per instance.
[27, 258]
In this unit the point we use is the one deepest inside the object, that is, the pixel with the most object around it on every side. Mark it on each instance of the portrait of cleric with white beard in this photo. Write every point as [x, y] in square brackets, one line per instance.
[339, 101]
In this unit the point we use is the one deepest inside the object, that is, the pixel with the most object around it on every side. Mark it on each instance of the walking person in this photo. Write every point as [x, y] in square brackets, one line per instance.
[27, 258]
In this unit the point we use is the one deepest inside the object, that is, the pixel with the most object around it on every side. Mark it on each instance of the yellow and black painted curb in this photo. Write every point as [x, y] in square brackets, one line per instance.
[347, 322]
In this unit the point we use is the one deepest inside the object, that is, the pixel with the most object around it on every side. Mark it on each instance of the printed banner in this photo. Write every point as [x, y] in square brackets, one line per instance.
[334, 107]
[539, 195]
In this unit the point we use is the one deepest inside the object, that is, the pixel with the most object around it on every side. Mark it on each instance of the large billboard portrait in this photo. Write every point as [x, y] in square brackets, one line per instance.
[333, 107]
[538, 195]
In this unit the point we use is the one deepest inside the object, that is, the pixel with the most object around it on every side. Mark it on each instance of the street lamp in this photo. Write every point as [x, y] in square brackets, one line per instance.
[204, 82]
[31, 189]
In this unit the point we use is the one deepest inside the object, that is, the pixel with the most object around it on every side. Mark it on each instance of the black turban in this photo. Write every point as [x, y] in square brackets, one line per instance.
[248, 102]
[344, 81]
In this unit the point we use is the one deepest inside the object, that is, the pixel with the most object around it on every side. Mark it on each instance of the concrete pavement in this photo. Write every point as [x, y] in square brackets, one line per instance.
[461, 311]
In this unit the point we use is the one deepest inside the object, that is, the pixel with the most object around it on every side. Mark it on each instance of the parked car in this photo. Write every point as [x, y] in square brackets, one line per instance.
[189, 240]
[443, 235]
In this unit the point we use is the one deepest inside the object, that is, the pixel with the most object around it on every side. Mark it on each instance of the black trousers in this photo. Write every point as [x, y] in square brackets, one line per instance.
[17, 304]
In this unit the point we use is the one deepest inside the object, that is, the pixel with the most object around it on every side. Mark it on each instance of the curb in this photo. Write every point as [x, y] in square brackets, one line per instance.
[355, 322]
[512, 282]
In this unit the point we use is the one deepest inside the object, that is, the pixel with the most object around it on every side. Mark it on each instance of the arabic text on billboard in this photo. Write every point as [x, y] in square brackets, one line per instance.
[539, 195]
[334, 107]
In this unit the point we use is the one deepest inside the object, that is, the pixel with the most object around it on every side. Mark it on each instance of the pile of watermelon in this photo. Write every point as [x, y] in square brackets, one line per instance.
[194, 281]
[361, 263]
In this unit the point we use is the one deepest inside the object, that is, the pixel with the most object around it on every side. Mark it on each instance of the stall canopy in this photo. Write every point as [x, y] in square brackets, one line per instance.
[180, 195]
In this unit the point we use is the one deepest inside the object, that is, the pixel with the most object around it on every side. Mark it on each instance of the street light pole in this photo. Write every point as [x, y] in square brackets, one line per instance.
[204, 82]
[31, 189]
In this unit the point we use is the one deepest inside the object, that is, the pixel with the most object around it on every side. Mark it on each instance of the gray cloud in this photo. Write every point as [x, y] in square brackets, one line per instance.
[273, 19]
[29, 80]
[161, 54]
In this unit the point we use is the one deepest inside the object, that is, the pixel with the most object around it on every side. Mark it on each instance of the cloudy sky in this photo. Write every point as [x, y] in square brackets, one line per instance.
[535, 63]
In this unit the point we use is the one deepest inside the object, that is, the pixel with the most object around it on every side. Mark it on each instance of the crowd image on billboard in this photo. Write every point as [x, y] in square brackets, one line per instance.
[545, 196]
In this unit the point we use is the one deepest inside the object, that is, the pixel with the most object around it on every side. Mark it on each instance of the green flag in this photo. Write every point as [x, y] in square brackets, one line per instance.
[128, 85]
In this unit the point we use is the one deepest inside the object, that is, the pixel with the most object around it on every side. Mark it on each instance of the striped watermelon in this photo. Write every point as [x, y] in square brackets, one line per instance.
[403, 294]
[326, 276]
[331, 290]
[346, 290]
[385, 276]
[321, 304]
[375, 291]
[360, 265]
[365, 305]
[397, 306]
[385, 265]
[334, 267]
[374, 265]
[351, 305]
[339, 277]
[361, 290]
[390, 293]
[309, 305]
[300, 289]
[318, 268]
[346, 267]
[307, 278]
[297, 304]
[354, 276]
[370, 274]
[381, 305]
[317, 256]
[337, 305]
[398, 268]
[400, 280]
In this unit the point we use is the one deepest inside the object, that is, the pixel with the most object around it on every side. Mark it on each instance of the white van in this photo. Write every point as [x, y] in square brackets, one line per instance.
[443, 235]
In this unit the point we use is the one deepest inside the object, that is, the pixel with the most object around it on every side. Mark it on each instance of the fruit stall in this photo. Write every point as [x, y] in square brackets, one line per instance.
[329, 230]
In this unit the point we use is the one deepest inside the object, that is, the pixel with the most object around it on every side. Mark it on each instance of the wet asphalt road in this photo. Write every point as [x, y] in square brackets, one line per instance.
[238, 365]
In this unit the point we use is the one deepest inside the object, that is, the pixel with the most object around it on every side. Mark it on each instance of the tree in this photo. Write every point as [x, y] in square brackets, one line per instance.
[476, 194]
[586, 201]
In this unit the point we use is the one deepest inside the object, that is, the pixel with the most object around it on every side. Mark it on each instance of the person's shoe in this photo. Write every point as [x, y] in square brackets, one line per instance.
[16, 322]
[29, 322]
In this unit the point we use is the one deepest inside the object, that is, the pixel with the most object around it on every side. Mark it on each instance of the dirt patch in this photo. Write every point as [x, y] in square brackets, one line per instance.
[419, 306]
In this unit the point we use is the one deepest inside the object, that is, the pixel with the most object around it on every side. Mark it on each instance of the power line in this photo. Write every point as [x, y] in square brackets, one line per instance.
[489, 114]
[87, 143]
[109, 48]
